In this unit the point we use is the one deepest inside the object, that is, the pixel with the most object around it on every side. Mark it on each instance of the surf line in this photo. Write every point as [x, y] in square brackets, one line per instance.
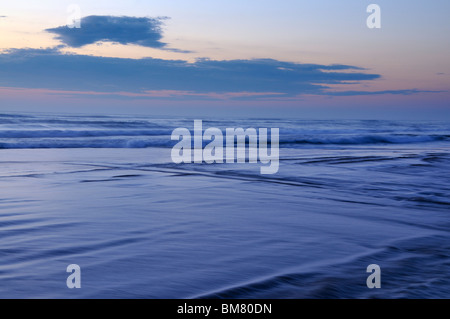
[213, 152]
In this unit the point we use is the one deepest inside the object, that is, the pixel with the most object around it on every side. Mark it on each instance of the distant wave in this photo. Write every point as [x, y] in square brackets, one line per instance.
[92, 139]
[74, 131]
[78, 133]
[89, 123]
[365, 139]
[82, 143]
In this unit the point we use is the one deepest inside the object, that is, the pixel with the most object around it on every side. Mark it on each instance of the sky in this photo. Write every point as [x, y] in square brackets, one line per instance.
[289, 58]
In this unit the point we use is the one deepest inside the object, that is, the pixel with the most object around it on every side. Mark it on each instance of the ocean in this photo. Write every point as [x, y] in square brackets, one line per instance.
[102, 192]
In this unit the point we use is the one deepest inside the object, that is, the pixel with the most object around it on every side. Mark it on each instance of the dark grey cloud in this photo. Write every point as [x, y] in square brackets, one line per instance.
[124, 30]
[48, 68]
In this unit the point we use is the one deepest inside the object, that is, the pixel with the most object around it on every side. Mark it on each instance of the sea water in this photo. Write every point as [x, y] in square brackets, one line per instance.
[102, 192]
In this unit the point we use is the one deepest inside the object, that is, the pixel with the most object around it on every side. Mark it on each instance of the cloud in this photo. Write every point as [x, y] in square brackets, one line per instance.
[154, 78]
[124, 30]
[395, 92]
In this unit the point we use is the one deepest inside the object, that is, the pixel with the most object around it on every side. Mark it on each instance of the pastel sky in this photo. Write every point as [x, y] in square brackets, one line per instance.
[246, 58]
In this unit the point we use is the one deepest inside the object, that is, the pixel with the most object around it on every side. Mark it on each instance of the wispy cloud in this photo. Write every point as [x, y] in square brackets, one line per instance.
[144, 94]
[395, 92]
[124, 30]
[155, 78]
